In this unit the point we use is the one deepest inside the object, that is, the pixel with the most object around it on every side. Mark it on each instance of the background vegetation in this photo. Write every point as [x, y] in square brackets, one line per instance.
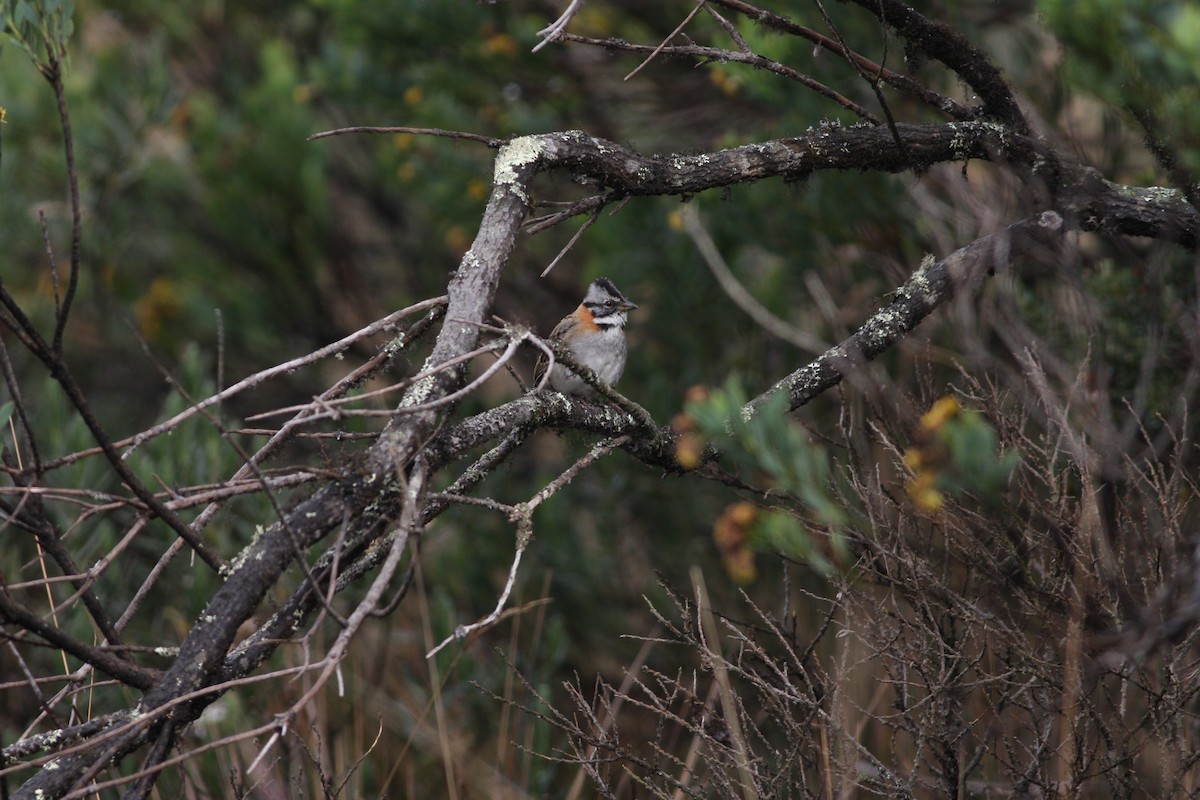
[968, 569]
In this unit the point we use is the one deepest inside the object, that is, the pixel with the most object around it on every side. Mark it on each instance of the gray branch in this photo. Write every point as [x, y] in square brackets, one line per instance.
[931, 285]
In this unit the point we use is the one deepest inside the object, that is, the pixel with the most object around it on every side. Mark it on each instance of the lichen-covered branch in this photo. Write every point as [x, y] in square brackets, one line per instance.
[930, 286]
[256, 570]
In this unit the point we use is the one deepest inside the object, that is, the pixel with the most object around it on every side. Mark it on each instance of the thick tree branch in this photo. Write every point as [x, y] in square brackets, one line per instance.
[1114, 209]
[262, 562]
[557, 412]
[826, 147]
[938, 40]
[929, 287]
[1077, 190]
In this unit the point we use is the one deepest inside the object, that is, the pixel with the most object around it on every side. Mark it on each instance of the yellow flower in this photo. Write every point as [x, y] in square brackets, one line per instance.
[157, 307]
[740, 565]
[457, 239]
[944, 409]
[688, 450]
[742, 514]
[500, 44]
[725, 82]
[477, 189]
[930, 500]
[924, 492]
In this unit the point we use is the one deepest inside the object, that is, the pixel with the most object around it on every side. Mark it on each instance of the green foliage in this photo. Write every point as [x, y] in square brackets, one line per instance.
[956, 451]
[977, 463]
[40, 27]
[767, 448]
[1140, 56]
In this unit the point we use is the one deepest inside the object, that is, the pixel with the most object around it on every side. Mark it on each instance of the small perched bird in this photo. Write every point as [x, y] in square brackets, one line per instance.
[595, 335]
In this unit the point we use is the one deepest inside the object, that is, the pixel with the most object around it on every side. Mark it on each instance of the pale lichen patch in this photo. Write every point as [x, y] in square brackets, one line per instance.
[240, 560]
[918, 285]
[420, 392]
[517, 153]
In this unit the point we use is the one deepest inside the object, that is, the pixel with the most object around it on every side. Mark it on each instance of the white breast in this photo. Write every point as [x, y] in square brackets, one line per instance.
[604, 353]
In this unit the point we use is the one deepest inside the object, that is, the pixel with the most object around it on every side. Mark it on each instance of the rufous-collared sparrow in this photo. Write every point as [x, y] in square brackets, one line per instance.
[595, 335]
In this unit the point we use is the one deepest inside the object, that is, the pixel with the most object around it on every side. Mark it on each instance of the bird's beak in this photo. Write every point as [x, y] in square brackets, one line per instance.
[627, 306]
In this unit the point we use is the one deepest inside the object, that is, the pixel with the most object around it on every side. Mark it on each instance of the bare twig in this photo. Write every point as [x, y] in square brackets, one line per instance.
[536, 225]
[14, 390]
[281, 369]
[586, 224]
[291, 427]
[554, 31]
[738, 293]
[895, 79]
[524, 536]
[719, 54]
[523, 516]
[54, 75]
[872, 78]
[678, 29]
[567, 359]
[716, 662]
[490, 141]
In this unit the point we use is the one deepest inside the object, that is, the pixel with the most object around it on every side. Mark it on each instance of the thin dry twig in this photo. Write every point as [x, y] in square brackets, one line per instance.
[738, 293]
[678, 29]
[490, 141]
[332, 409]
[257, 378]
[522, 514]
[894, 79]
[567, 359]
[587, 223]
[873, 79]
[718, 54]
[553, 32]
[536, 225]
[730, 706]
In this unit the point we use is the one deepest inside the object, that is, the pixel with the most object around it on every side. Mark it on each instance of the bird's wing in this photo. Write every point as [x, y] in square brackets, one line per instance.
[560, 330]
